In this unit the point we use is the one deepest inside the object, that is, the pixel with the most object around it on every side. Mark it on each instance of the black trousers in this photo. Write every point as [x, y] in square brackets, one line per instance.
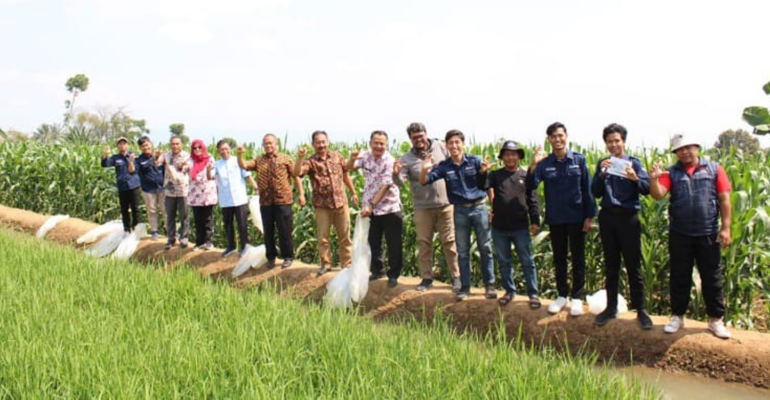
[129, 199]
[240, 214]
[278, 216]
[204, 224]
[706, 251]
[621, 234]
[391, 226]
[569, 237]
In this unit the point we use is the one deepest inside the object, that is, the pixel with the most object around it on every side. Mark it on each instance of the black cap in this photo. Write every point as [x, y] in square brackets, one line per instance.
[511, 145]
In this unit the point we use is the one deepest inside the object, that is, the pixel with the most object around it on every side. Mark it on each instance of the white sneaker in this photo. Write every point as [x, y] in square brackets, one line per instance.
[558, 305]
[674, 325]
[576, 308]
[717, 327]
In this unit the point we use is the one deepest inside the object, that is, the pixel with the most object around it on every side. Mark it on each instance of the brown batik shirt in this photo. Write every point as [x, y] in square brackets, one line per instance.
[326, 178]
[274, 175]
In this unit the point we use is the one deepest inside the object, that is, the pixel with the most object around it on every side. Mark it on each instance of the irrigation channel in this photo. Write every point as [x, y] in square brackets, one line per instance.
[677, 361]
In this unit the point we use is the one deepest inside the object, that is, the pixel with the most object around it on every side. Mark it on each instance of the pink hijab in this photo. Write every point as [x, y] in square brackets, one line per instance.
[200, 161]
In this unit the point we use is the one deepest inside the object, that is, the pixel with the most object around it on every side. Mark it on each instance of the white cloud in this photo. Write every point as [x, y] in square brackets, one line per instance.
[187, 32]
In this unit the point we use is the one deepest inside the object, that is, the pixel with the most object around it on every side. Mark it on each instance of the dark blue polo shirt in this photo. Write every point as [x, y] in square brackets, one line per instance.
[619, 192]
[150, 175]
[568, 198]
[461, 181]
[126, 181]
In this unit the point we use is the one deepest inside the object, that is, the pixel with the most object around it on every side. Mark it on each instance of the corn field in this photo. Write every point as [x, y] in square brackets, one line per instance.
[68, 179]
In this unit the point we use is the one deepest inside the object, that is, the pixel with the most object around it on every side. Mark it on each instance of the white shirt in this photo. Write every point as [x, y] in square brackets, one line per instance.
[231, 182]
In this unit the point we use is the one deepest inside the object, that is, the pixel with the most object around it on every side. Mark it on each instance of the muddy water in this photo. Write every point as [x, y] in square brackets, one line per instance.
[690, 387]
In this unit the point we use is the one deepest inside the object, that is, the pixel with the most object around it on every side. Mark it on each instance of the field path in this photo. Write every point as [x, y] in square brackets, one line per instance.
[745, 358]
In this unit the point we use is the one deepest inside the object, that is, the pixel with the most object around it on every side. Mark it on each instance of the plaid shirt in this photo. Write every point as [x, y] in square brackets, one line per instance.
[326, 179]
[176, 183]
[274, 175]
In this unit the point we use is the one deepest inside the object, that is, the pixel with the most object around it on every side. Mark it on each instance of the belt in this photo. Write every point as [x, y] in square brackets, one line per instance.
[473, 204]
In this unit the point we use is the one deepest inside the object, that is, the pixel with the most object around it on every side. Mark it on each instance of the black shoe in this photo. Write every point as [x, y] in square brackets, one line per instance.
[605, 316]
[322, 271]
[271, 264]
[392, 282]
[374, 277]
[464, 292]
[228, 253]
[169, 246]
[490, 291]
[425, 285]
[644, 319]
[183, 245]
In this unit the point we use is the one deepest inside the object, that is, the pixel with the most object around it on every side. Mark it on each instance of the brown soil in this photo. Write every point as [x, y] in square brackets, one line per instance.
[745, 358]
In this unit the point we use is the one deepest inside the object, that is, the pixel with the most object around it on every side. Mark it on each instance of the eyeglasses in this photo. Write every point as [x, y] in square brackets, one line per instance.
[197, 148]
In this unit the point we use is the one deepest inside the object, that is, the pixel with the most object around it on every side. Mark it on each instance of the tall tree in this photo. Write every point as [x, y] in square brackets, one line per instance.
[177, 129]
[47, 133]
[758, 117]
[740, 139]
[75, 85]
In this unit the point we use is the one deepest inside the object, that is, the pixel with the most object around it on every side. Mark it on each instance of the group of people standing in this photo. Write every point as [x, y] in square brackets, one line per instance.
[450, 189]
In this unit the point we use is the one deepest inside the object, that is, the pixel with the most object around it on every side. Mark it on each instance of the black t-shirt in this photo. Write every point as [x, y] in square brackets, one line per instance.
[513, 204]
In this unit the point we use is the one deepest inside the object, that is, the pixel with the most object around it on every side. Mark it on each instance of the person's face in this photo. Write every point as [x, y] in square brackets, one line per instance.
[146, 148]
[558, 139]
[176, 146]
[687, 154]
[270, 144]
[224, 151]
[511, 158]
[615, 144]
[122, 146]
[378, 145]
[320, 144]
[455, 146]
[419, 140]
[197, 149]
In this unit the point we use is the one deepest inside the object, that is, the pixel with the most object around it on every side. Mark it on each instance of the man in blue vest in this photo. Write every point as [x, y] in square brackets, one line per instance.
[127, 181]
[700, 195]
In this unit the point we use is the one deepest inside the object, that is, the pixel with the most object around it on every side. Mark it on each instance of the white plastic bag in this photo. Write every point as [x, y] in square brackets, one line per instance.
[351, 284]
[93, 234]
[362, 259]
[598, 302]
[109, 243]
[128, 245]
[253, 257]
[255, 214]
[49, 224]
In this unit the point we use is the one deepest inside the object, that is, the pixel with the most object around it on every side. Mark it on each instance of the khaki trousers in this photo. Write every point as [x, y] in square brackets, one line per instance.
[155, 204]
[427, 221]
[340, 218]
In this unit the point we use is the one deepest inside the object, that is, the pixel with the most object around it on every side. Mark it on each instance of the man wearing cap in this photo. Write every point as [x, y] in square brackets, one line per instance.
[619, 181]
[128, 182]
[569, 211]
[700, 197]
[460, 171]
[151, 178]
[432, 210]
[514, 209]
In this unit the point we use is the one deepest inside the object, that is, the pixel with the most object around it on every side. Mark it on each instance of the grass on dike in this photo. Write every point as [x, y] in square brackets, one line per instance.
[72, 326]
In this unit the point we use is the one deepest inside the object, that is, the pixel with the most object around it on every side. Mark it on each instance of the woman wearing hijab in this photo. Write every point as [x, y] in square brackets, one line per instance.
[203, 195]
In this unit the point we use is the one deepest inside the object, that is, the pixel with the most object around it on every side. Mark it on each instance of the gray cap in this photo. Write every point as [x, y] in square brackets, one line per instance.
[511, 145]
[679, 140]
[122, 139]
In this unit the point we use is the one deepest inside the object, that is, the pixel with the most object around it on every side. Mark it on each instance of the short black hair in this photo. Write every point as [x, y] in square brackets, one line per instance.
[176, 137]
[143, 139]
[221, 142]
[553, 127]
[614, 128]
[415, 127]
[378, 133]
[453, 133]
[316, 133]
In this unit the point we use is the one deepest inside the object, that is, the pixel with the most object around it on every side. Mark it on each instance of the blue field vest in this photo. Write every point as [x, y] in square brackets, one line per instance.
[694, 205]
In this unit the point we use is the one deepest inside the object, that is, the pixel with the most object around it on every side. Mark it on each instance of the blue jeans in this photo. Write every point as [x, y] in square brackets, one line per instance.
[476, 218]
[521, 240]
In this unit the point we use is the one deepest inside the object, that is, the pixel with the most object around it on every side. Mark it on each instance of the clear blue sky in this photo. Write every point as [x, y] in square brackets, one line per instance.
[490, 68]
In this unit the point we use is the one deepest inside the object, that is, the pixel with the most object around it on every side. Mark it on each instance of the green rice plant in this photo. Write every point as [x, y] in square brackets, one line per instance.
[76, 327]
